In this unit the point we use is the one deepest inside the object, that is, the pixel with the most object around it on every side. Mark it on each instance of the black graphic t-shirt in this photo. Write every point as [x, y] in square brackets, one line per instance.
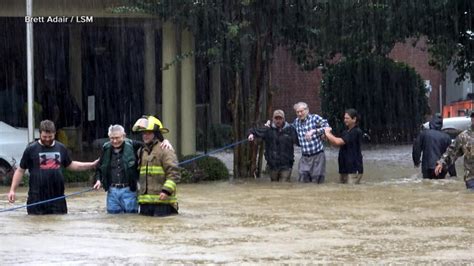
[44, 164]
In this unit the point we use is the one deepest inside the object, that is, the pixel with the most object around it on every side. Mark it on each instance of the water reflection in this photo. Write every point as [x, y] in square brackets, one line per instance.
[393, 217]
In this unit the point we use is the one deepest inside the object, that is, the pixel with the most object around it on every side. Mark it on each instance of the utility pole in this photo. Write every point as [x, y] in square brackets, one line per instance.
[30, 70]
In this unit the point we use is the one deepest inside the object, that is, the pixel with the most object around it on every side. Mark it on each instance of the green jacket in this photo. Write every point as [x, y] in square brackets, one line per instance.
[129, 164]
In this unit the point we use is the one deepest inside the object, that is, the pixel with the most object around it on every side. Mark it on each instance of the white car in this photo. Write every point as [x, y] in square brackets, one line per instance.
[13, 142]
[453, 125]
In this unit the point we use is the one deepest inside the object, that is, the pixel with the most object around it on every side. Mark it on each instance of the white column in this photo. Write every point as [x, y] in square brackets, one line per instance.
[188, 95]
[30, 71]
[150, 68]
[169, 82]
[75, 80]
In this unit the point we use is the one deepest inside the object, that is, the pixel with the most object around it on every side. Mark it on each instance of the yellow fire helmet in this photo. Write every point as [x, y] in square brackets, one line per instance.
[149, 123]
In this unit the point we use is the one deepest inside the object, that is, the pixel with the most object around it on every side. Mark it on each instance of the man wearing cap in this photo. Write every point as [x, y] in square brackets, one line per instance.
[279, 139]
[462, 145]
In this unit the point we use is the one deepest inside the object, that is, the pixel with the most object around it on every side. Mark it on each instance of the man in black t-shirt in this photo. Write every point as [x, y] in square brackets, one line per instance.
[351, 167]
[44, 159]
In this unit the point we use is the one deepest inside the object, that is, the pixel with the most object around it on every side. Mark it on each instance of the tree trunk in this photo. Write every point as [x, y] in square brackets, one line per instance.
[236, 123]
[257, 85]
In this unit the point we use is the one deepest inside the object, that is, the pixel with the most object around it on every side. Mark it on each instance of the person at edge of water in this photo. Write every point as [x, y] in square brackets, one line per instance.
[462, 145]
[44, 159]
[118, 170]
[350, 161]
[279, 139]
[432, 143]
[310, 132]
[158, 170]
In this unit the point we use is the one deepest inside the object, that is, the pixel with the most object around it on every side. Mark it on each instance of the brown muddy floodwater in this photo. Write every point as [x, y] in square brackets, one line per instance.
[393, 217]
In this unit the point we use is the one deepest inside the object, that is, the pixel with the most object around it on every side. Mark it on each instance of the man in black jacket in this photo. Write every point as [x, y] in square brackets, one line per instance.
[279, 139]
[432, 143]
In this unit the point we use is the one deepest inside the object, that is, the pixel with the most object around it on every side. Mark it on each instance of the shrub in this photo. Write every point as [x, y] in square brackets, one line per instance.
[390, 97]
[203, 169]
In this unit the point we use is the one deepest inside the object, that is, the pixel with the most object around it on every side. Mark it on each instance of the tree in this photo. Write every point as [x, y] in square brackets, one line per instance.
[391, 97]
[450, 34]
[242, 35]
[320, 30]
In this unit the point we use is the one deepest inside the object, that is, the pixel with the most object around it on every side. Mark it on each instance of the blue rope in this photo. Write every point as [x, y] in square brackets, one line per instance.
[90, 189]
[46, 201]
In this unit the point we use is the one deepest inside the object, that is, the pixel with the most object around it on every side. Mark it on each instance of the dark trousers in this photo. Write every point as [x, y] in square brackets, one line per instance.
[157, 209]
[282, 175]
[53, 207]
[429, 174]
[452, 170]
[470, 184]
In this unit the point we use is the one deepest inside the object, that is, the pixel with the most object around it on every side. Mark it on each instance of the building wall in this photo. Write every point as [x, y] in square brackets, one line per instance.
[418, 58]
[456, 92]
[292, 85]
[68, 8]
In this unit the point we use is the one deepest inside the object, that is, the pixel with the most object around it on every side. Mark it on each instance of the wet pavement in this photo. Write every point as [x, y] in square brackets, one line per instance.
[393, 217]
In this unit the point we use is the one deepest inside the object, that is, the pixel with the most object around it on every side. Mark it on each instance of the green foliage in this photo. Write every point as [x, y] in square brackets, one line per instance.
[390, 97]
[316, 31]
[187, 176]
[218, 136]
[74, 176]
[448, 26]
[241, 36]
[203, 169]
[221, 135]
[26, 180]
[69, 177]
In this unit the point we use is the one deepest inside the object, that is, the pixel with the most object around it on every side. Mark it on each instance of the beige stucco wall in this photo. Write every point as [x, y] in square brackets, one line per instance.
[96, 8]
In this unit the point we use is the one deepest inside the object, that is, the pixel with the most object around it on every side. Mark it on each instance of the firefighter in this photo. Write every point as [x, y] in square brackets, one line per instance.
[158, 169]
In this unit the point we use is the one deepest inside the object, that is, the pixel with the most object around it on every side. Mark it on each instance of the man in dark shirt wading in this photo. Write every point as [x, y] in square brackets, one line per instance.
[351, 166]
[44, 159]
[432, 143]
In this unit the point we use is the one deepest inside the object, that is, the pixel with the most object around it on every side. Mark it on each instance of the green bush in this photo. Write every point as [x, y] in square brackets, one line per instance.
[26, 181]
[189, 177]
[203, 169]
[389, 96]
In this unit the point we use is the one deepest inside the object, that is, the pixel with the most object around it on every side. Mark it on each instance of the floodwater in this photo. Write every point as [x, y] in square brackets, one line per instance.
[393, 217]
